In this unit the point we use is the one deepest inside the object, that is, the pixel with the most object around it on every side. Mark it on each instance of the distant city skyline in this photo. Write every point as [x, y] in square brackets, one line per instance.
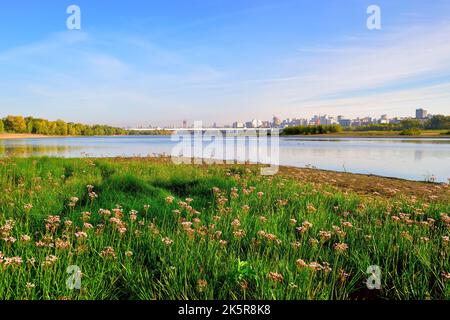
[163, 62]
[275, 121]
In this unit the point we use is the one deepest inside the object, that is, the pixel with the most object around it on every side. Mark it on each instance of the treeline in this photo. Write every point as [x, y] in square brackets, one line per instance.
[19, 124]
[153, 132]
[307, 130]
[437, 122]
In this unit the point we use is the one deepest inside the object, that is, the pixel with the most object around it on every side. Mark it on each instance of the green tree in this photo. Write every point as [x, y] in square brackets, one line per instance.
[438, 122]
[410, 124]
[60, 128]
[71, 129]
[19, 124]
[30, 122]
[52, 128]
[40, 127]
[15, 124]
[319, 129]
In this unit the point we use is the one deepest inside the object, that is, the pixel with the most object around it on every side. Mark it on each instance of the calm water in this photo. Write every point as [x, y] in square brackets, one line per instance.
[415, 159]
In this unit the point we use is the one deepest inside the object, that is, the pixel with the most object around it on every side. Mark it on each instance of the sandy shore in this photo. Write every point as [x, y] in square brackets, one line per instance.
[373, 185]
[6, 136]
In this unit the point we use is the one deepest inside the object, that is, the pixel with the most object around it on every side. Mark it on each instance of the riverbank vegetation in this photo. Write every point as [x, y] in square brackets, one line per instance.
[150, 229]
[161, 132]
[30, 125]
[437, 122]
[410, 132]
[435, 126]
[312, 130]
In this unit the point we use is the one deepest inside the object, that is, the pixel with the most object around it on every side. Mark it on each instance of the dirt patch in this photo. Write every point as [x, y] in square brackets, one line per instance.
[370, 184]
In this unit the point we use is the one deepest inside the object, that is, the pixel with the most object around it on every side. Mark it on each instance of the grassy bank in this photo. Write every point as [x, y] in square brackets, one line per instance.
[149, 229]
[384, 134]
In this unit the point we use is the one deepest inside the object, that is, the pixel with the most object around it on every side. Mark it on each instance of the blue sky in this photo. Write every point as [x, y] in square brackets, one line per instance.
[160, 62]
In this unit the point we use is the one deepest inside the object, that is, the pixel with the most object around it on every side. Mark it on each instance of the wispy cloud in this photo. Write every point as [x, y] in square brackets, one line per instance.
[70, 72]
[128, 79]
[402, 58]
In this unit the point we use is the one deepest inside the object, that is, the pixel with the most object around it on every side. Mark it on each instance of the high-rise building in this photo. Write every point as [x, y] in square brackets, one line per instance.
[383, 119]
[421, 113]
[238, 124]
[256, 123]
[276, 121]
[345, 122]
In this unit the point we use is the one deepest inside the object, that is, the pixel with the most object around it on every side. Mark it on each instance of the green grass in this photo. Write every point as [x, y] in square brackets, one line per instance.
[224, 254]
[411, 132]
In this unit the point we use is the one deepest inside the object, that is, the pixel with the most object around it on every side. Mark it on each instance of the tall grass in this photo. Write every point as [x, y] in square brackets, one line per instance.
[208, 232]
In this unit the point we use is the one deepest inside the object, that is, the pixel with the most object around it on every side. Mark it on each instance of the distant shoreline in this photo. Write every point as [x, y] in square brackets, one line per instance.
[376, 134]
[11, 136]
[366, 136]
[7, 136]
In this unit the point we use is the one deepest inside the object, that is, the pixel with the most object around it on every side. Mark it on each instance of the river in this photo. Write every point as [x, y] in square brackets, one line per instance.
[407, 158]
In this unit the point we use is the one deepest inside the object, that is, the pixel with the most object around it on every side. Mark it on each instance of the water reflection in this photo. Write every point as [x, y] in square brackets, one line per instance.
[407, 158]
[25, 150]
[418, 154]
[378, 140]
